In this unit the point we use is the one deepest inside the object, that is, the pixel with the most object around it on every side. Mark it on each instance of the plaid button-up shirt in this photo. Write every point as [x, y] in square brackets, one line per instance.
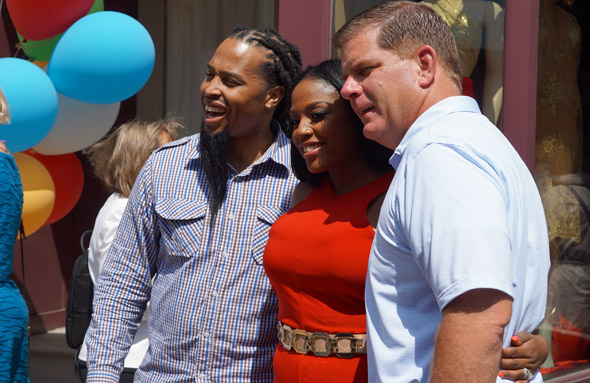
[212, 309]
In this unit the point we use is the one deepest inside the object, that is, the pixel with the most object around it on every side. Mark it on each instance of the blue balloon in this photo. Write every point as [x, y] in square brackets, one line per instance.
[103, 58]
[32, 103]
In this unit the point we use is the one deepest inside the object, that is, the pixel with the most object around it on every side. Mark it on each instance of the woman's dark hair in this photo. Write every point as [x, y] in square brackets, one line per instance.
[330, 72]
[282, 68]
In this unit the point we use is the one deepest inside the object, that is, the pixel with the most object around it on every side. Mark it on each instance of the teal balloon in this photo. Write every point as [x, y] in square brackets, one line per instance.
[103, 58]
[32, 103]
[40, 50]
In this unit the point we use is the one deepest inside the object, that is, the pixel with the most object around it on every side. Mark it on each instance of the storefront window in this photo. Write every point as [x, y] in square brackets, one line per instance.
[562, 170]
[478, 27]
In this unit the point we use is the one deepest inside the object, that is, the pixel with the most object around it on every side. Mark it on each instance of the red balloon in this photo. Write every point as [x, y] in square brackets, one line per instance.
[68, 178]
[41, 19]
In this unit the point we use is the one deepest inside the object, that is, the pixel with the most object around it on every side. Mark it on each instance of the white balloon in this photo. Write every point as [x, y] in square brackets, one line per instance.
[78, 125]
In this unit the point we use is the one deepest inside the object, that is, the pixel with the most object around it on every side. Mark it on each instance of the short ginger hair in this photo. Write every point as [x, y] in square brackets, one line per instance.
[404, 26]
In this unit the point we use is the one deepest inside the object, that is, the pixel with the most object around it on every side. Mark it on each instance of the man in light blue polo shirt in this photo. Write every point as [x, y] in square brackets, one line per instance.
[460, 258]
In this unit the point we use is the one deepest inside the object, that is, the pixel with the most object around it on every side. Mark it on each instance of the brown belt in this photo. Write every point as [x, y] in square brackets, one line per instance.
[342, 344]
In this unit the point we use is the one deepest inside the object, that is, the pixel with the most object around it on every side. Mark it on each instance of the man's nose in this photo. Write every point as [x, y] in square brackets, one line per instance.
[211, 88]
[350, 89]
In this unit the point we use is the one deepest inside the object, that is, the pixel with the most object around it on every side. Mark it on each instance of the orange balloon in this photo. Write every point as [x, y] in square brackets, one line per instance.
[38, 192]
[41, 64]
[68, 178]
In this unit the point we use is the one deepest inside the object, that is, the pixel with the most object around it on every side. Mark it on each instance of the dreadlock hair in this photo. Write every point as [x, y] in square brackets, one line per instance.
[330, 73]
[282, 68]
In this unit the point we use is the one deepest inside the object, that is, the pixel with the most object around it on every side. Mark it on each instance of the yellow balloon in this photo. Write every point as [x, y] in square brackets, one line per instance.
[38, 192]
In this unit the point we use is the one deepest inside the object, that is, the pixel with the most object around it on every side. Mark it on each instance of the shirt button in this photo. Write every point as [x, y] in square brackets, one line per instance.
[230, 216]
[214, 293]
[224, 253]
[202, 375]
[205, 334]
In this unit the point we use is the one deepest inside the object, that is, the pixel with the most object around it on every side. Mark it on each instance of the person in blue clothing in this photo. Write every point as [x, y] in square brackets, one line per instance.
[460, 259]
[14, 315]
[117, 160]
[192, 236]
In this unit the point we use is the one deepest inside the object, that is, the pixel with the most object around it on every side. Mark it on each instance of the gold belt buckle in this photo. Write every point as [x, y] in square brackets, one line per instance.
[317, 339]
[284, 334]
[343, 342]
[300, 341]
[280, 332]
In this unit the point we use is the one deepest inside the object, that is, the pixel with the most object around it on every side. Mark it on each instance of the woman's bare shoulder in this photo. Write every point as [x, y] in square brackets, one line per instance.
[300, 193]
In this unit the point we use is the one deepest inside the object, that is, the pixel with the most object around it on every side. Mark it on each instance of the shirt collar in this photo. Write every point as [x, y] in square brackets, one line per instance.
[278, 151]
[429, 117]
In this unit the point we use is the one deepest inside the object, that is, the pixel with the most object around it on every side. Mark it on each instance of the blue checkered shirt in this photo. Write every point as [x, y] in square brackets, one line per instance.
[212, 312]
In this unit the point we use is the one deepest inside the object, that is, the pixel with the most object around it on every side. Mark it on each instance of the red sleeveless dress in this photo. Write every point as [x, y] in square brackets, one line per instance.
[316, 259]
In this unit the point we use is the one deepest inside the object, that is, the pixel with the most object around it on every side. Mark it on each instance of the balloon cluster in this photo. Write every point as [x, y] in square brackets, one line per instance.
[83, 62]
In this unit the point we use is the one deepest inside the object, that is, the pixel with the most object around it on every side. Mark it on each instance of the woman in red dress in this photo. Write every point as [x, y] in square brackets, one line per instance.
[317, 254]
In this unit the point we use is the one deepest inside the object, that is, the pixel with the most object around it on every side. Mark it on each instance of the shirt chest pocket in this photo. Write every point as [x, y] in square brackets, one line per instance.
[265, 217]
[181, 226]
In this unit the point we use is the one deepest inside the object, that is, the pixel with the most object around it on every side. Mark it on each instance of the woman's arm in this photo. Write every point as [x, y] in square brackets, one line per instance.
[103, 233]
[494, 55]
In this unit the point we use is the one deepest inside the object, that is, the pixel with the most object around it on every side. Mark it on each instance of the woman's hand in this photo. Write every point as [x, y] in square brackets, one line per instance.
[3, 148]
[527, 351]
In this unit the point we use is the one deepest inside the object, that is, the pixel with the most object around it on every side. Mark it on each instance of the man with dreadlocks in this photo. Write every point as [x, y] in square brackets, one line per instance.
[196, 224]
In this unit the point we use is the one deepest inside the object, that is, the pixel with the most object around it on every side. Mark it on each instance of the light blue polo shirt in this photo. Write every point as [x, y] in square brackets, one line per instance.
[463, 212]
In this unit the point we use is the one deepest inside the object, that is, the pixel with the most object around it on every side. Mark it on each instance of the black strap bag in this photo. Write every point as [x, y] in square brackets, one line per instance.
[79, 306]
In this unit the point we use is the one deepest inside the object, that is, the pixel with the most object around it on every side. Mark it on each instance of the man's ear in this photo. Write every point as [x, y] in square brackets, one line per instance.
[274, 95]
[427, 64]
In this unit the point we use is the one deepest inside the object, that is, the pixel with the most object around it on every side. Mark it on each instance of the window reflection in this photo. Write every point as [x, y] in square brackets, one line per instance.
[562, 174]
[567, 204]
[478, 27]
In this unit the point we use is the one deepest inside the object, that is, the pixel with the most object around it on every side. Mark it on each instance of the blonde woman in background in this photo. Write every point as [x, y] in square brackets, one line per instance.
[4, 114]
[4, 117]
[116, 161]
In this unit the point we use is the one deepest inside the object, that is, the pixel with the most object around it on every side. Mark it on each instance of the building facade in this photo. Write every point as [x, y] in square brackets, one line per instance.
[527, 63]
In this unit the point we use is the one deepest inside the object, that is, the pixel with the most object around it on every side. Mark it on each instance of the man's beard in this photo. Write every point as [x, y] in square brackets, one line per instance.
[214, 155]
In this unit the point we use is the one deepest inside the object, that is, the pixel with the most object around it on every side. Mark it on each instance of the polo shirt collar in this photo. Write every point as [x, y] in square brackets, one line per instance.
[429, 118]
